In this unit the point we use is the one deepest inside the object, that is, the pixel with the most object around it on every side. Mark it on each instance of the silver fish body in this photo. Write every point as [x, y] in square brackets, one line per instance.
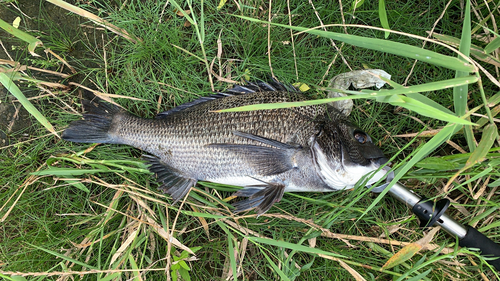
[269, 152]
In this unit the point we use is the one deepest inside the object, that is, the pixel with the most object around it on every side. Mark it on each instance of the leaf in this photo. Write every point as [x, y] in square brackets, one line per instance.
[221, 4]
[233, 254]
[476, 51]
[78, 185]
[460, 93]
[406, 253]
[136, 272]
[184, 265]
[293, 246]
[97, 20]
[443, 135]
[179, 9]
[54, 171]
[181, 13]
[386, 46]
[437, 164]
[493, 45]
[56, 254]
[184, 274]
[275, 267]
[425, 110]
[354, 273]
[16, 22]
[32, 41]
[356, 4]
[490, 134]
[301, 86]
[429, 102]
[173, 273]
[495, 183]
[14, 277]
[424, 241]
[382, 13]
[14, 90]
[383, 95]
[420, 276]
[125, 244]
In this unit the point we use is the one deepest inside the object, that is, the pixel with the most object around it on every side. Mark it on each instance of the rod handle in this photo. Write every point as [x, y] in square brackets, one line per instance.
[488, 248]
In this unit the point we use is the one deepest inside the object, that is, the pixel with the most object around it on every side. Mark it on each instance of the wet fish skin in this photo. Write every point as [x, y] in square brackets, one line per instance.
[310, 148]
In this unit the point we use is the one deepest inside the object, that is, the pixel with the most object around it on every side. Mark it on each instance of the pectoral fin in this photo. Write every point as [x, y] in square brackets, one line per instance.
[275, 143]
[173, 182]
[265, 160]
[260, 199]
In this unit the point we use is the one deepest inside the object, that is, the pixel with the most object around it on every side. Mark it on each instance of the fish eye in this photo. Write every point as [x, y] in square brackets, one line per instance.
[361, 137]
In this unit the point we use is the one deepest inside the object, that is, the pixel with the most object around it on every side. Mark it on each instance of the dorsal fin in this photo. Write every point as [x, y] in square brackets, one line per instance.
[250, 87]
[192, 103]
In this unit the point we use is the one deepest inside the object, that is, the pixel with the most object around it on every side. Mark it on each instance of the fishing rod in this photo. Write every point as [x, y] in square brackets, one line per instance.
[431, 213]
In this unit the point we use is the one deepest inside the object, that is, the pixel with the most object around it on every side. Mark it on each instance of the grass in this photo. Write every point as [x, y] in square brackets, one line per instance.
[113, 224]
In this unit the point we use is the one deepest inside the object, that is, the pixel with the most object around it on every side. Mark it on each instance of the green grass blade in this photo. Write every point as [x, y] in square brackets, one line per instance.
[275, 268]
[490, 226]
[460, 92]
[365, 94]
[382, 13]
[493, 45]
[425, 110]
[393, 97]
[355, 5]
[113, 276]
[203, 215]
[14, 90]
[232, 251]
[292, 246]
[438, 164]
[475, 50]
[423, 99]
[395, 48]
[445, 134]
[490, 134]
[54, 171]
[186, 15]
[495, 183]
[56, 254]
[32, 41]
[133, 264]
[78, 185]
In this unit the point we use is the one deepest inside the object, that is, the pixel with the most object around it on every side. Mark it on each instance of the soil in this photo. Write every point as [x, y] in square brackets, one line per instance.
[37, 17]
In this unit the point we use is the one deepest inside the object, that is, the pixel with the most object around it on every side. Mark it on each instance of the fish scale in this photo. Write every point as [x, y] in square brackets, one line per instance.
[307, 148]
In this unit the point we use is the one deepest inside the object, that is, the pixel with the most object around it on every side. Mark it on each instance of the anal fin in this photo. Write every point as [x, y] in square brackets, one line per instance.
[173, 182]
[260, 199]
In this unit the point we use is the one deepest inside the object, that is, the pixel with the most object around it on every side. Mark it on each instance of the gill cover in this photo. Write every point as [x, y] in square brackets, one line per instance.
[343, 153]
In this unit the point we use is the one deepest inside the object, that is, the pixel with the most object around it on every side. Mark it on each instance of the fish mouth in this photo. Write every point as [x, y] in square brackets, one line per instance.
[386, 169]
[379, 161]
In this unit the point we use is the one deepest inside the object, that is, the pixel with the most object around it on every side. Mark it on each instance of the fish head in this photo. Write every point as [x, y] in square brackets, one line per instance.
[343, 154]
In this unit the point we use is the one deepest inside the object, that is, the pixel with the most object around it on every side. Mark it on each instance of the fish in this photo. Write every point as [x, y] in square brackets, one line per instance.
[311, 148]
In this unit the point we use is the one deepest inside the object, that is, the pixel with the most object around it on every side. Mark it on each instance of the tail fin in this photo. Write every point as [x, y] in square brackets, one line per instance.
[94, 128]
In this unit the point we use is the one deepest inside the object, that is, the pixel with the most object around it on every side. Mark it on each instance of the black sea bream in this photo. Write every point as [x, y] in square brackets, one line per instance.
[268, 152]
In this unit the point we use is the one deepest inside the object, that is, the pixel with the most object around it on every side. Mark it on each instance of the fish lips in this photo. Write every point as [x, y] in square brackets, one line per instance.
[379, 161]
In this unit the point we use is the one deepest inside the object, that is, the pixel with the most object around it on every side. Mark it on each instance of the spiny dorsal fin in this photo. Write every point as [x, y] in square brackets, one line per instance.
[250, 87]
